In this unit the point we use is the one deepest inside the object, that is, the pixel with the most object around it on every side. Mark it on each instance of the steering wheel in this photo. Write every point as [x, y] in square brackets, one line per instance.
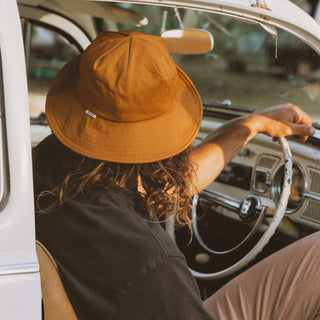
[248, 209]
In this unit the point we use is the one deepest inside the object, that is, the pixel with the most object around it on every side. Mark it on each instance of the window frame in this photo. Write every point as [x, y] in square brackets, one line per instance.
[4, 159]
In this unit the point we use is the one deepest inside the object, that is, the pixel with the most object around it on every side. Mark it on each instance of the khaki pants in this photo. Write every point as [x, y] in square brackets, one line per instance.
[284, 286]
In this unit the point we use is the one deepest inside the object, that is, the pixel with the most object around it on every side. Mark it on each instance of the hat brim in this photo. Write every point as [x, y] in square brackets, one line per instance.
[124, 142]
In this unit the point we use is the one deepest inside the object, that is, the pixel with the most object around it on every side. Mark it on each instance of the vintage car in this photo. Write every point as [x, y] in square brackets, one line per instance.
[247, 213]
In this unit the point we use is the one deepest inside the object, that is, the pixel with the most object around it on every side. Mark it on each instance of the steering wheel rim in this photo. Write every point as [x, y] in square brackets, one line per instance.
[265, 238]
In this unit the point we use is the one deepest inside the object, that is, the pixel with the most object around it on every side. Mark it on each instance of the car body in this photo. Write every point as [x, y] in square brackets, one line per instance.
[256, 169]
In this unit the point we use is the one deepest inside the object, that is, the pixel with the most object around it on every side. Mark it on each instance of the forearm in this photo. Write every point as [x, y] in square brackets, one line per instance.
[211, 156]
[220, 147]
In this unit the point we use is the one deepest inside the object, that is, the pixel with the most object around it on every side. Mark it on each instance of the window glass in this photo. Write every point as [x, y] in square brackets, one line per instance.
[247, 67]
[48, 52]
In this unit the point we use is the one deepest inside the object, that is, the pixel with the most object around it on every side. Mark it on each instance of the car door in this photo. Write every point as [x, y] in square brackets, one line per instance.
[20, 293]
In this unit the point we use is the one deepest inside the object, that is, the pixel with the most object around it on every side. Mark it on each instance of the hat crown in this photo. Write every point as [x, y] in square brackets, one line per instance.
[124, 100]
[123, 79]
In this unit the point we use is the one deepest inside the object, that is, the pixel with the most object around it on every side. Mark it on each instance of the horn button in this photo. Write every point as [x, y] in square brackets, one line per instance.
[248, 208]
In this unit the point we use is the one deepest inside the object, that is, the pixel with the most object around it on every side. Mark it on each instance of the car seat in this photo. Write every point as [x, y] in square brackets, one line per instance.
[56, 303]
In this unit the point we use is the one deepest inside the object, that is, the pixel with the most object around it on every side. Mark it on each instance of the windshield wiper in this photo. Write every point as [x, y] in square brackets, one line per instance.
[210, 109]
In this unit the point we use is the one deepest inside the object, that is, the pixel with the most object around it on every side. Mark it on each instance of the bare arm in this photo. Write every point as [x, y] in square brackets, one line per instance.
[211, 156]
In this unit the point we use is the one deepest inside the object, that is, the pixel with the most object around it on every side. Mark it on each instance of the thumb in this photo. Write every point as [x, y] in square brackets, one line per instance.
[302, 129]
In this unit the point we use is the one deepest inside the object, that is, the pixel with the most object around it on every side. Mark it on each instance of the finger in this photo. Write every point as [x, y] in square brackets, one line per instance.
[302, 130]
[303, 117]
[303, 139]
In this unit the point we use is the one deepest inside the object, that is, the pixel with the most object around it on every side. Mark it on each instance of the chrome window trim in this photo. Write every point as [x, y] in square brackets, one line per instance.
[19, 269]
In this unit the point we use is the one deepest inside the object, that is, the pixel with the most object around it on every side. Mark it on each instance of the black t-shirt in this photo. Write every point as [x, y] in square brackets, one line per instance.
[113, 261]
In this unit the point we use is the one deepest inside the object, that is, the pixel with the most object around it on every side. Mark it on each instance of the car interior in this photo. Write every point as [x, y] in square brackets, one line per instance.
[247, 69]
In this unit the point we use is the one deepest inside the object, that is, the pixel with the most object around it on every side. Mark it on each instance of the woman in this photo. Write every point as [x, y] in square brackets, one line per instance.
[123, 117]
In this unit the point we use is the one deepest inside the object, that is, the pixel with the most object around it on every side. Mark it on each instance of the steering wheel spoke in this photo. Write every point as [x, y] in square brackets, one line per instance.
[244, 210]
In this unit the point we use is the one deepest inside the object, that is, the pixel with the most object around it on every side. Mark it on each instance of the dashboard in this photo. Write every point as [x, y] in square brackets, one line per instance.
[258, 170]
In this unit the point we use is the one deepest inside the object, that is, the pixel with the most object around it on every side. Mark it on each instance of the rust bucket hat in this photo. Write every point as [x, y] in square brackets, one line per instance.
[124, 100]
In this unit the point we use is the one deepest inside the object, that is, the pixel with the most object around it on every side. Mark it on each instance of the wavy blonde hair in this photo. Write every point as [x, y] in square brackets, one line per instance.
[165, 186]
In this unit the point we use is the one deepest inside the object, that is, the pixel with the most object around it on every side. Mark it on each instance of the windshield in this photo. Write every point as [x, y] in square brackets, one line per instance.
[247, 67]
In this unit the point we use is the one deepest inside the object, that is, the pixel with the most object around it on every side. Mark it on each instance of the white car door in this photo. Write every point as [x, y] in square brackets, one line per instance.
[20, 292]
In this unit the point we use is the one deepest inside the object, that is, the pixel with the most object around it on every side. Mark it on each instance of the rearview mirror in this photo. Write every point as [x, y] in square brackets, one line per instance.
[188, 41]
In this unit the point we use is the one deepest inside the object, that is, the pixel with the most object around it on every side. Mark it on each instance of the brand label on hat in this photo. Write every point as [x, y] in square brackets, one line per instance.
[90, 114]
